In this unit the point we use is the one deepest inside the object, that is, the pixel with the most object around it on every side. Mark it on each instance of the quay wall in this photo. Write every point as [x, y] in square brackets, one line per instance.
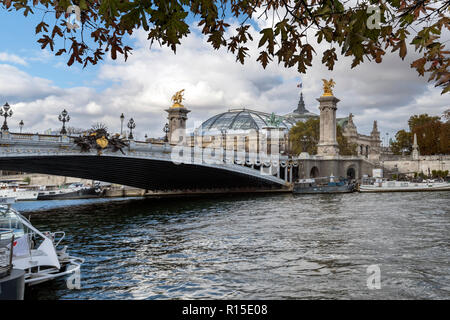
[45, 179]
[424, 164]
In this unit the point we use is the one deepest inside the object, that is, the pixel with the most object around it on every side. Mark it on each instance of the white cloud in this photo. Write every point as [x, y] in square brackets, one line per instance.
[12, 58]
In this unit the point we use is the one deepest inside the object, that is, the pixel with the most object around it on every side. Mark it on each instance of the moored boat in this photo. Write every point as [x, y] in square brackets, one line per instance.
[404, 186]
[323, 185]
[18, 192]
[35, 252]
[69, 191]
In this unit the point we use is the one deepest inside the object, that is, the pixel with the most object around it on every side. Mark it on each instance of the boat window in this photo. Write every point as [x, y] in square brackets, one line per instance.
[9, 220]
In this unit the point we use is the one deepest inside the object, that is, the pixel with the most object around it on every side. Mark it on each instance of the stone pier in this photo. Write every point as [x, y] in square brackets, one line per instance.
[328, 145]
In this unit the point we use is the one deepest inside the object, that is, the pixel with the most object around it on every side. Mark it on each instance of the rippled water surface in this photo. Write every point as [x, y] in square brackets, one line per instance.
[253, 246]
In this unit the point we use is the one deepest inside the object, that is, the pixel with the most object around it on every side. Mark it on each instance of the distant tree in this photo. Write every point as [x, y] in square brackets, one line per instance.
[402, 142]
[27, 180]
[304, 137]
[419, 120]
[428, 137]
[444, 138]
[364, 29]
[433, 136]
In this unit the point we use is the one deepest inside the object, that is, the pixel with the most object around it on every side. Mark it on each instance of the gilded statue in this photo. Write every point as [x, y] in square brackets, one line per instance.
[177, 98]
[327, 85]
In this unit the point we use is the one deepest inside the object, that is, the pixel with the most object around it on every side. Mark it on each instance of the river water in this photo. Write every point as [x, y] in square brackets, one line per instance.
[280, 246]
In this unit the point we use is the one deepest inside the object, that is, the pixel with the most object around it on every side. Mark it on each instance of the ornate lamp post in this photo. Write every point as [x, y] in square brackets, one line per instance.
[304, 141]
[64, 117]
[21, 125]
[122, 117]
[166, 131]
[131, 125]
[6, 112]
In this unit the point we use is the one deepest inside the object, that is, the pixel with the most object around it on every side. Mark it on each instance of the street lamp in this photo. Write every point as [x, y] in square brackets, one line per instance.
[122, 117]
[131, 125]
[21, 125]
[64, 117]
[6, 112]
[304, 141]
[166, 131]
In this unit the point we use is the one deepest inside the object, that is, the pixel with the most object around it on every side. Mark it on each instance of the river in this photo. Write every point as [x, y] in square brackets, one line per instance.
[279, 246]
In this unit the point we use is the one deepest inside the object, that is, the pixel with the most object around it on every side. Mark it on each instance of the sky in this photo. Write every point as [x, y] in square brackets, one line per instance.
[38, 85]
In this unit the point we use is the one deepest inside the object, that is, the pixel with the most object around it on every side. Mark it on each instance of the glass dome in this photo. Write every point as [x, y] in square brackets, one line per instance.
[242, 119]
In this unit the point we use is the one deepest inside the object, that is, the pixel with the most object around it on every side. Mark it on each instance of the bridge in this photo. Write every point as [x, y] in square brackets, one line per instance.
[150, 166]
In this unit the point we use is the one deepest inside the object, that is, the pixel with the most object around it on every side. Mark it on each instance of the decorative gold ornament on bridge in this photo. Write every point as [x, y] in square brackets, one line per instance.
[102, 142]
[177, 99]
[327, 85]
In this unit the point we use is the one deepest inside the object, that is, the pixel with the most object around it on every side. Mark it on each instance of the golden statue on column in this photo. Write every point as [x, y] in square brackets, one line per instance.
[327, 85]
[177, 99]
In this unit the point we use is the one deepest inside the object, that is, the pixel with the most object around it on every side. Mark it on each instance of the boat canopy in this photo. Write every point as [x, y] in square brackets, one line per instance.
[10, 220]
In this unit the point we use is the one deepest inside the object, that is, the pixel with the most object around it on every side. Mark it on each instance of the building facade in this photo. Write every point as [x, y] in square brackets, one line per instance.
[251, 128]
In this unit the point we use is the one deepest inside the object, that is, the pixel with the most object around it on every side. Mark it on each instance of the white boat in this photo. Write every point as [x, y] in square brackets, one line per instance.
[21, 194]
[404, 186]
[34, 251]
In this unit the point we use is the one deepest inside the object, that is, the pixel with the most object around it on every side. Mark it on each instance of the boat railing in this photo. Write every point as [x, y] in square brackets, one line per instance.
[6, 251]
[54, 236]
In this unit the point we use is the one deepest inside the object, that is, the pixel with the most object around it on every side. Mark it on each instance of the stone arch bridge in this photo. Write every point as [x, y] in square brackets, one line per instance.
[149, 166]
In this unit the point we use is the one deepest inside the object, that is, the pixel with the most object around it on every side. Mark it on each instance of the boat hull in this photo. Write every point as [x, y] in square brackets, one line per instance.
[79, 194]
[403, 189]
[323, 189]
[20, 195]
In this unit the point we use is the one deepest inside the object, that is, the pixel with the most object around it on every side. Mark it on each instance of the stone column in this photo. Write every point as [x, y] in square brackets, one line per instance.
[177, 122]
[328, 145]
[415, 152]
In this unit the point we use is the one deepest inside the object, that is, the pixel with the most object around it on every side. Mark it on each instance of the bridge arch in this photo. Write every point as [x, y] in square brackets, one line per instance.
[314, 172]
[144, 173]
[351, 172]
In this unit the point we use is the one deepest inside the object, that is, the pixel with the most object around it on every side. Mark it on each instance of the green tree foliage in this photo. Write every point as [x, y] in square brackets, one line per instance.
[439, 173]
[403, 142]
[433, 136]
[304, 137]
[350, 27]
[27, 180]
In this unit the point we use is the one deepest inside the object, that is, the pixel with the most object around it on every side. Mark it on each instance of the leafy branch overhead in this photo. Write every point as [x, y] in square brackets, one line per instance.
[363, 30]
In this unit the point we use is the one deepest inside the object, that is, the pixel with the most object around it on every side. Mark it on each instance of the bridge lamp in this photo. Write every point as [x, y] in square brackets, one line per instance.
[6, 112]
[122, 117]
[166, 131]
[304, 141]
[64, 117]
[131, 125]
[21, 125]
